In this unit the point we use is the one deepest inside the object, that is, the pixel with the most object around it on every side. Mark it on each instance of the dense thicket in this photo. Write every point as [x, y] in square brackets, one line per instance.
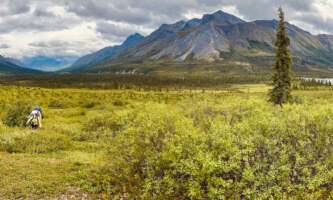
[172, 145]
[130, 81]
[219, 152]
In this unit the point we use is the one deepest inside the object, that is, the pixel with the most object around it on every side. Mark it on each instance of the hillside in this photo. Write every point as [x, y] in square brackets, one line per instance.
[7, 67]
[218, 42]
[16, 62]
[97, 57]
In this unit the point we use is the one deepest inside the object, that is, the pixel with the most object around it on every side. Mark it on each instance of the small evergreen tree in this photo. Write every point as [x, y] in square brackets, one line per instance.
[282, 76]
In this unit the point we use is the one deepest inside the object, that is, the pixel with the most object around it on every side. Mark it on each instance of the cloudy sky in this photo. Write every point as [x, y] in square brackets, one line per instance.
[77, 27]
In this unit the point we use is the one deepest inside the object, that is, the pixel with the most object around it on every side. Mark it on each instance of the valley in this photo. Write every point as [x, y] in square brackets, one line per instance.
[87, 132]
[212, 107]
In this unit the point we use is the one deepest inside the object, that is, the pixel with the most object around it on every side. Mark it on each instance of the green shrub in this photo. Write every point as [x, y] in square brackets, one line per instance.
[297, 100]
[102, 123]
[163, 153]
[89, 105]
[86, 147]
[57, 104]
[99, 127]
[119, 102]
[34, 143]
[17, 114]
[84, 136]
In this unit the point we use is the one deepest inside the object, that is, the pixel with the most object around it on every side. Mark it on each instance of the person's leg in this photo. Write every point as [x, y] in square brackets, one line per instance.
[39, 121]
[29, 120]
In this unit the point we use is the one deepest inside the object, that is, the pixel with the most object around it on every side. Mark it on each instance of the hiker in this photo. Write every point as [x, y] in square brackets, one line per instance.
[35, 118]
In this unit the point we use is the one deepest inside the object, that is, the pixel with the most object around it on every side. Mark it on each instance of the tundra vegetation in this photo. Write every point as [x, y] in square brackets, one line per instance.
[139, 137]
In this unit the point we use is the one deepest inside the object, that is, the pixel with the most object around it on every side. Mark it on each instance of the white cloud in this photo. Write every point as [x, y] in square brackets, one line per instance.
[325, 8]
[74, 42]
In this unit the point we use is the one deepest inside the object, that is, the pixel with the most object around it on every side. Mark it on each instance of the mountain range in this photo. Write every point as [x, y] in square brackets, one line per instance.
[38, 64]
[8, 66]
[46, 63]
[218, 42]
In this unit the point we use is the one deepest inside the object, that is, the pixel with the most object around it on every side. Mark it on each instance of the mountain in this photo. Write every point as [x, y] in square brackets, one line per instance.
[46, 63]
[99, 56]
[16, 62]
[202, 37]
[7, 67]
[218, 43]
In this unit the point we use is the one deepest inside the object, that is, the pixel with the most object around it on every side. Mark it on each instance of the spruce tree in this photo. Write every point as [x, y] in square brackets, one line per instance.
[282, 76]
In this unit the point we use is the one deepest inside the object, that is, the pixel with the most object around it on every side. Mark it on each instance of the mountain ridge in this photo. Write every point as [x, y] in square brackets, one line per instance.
[220, 39]
[98, 56]
[9, 68]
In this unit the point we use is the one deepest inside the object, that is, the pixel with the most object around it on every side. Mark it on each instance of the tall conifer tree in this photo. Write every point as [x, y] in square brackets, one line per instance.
[282, 76]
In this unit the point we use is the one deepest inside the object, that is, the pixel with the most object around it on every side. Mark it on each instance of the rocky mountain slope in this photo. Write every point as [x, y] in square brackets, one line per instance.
[99, 56]
[220, 41]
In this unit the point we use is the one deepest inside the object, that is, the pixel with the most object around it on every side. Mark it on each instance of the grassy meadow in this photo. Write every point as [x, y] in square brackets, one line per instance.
[166, 143]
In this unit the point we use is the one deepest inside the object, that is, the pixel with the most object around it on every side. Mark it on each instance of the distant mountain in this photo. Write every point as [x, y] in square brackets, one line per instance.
[16, 62]
[45, 63]
[218, 42]
[7, 67]
[98, 57]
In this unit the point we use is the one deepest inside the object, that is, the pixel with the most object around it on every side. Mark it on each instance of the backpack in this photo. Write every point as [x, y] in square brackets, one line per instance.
[35, 115]
[40, 110]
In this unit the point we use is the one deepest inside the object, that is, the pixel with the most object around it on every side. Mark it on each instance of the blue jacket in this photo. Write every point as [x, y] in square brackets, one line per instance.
[40, 110]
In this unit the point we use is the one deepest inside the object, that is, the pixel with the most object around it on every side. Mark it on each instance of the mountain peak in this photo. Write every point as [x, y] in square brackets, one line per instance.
[221, 18]
[132, 39]
[136, 35]
[219, 12]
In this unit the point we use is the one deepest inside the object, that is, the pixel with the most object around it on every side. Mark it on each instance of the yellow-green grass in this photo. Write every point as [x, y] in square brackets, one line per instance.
[81, 124]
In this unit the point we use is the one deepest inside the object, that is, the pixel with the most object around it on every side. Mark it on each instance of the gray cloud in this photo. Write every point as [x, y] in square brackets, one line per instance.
[148, 13]
[14, 7]
[107, 10]
[4, 46]
[318, 21]
[40, 12]
[18, 6]
[40, 19]
[113, 32]
[152, 13]
[31, 24]
[50, 44]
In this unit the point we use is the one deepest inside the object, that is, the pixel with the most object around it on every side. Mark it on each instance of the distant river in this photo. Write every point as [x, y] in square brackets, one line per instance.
[321, 79]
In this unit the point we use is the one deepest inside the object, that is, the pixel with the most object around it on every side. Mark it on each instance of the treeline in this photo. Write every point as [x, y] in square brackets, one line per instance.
[310, 84]
[127, 81]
